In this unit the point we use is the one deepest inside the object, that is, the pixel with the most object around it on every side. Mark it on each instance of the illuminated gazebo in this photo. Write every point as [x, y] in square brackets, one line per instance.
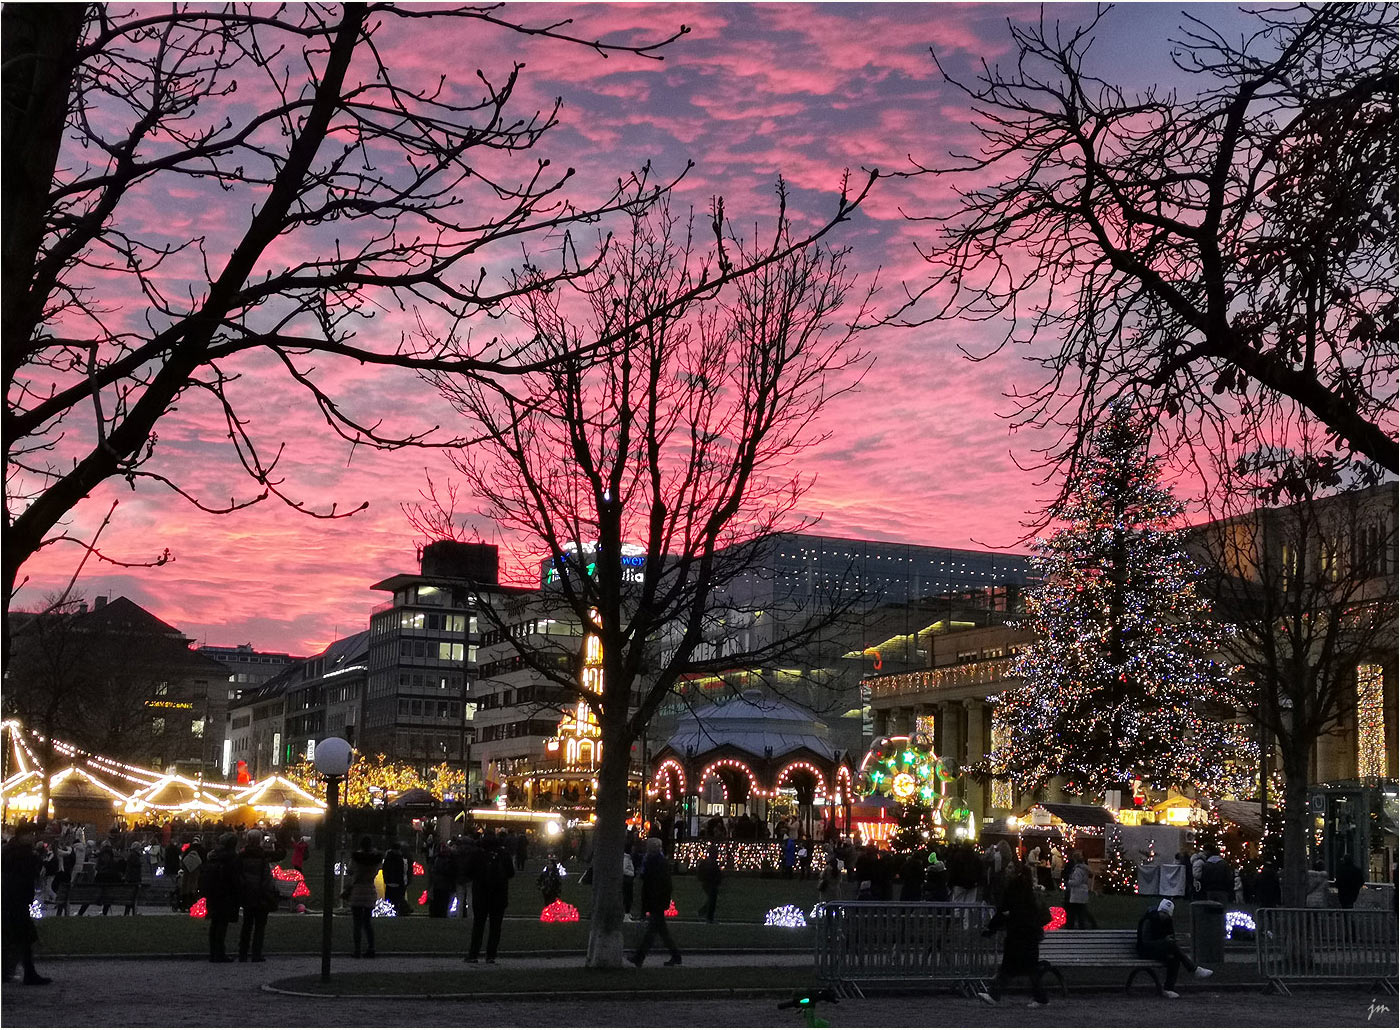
[755, 755]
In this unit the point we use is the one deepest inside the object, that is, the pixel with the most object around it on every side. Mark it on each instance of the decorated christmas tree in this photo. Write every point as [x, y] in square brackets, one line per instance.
[1120, 682]
[915, 821]
[1119, 875]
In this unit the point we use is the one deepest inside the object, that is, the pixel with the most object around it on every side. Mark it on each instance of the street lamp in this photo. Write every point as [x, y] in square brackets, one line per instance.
[333, 762]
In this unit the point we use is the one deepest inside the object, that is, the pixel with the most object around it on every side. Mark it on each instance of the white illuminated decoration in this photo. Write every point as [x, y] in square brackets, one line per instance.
[384, 908]
[789, 916]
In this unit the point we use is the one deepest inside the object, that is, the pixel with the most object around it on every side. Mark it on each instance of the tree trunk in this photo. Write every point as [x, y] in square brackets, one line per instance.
[605, 943]
[1295, 825]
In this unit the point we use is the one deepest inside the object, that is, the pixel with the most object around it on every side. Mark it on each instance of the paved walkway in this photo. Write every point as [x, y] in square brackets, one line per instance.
[175, 992]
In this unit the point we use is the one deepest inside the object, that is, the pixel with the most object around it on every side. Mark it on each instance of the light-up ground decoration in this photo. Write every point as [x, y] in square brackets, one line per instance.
[789, 916]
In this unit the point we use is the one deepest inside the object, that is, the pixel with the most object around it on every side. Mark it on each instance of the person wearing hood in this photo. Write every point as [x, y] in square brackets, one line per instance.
[1156, 940]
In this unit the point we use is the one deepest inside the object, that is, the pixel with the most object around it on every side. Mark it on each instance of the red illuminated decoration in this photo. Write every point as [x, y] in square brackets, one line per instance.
[1057, 918]
[244, 777]
[560, 911]
[199, 909]
[301, 890]
[672, 910]
[423, 898]
[417, 868]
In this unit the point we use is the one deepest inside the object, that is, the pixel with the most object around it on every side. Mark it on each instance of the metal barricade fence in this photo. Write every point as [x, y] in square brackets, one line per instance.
[864, 941]
[1323, 944]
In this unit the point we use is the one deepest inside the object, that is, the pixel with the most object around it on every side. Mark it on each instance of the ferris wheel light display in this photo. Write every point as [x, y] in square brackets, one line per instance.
[904, 768]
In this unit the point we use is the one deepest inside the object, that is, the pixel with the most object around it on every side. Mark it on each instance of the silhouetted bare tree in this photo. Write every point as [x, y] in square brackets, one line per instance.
[1200, 254]
[328, 183]
[1304, 566]
[650, 457]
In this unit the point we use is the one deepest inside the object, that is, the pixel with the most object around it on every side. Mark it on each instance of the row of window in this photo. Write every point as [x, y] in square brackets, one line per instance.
[442, 650]
[524, 728]
[426, 708]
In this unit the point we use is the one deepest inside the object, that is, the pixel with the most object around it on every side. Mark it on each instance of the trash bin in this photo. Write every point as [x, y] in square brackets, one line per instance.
[1207, 932]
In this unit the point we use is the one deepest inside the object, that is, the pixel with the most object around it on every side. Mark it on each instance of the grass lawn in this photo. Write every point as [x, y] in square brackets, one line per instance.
[568, 980]
[181, 934]
[743, 901]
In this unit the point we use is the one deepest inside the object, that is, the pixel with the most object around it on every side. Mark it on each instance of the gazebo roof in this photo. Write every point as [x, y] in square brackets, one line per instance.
[752, 723]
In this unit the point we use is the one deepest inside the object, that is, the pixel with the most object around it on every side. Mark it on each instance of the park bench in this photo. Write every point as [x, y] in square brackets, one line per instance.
[159, 892]
[1097, 949]
[99, 894]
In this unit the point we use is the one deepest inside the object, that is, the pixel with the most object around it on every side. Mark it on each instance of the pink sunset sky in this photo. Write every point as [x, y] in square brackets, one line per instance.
[918, 454]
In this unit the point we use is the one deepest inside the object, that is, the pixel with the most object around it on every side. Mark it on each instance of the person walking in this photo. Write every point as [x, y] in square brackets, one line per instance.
[361, 894]
[20, 869]
[1021, 916]
[709, 874]
[258, 895]
[1156, 940]
[656, 899]
[490, 896]
[1077, 914]
[221, 887]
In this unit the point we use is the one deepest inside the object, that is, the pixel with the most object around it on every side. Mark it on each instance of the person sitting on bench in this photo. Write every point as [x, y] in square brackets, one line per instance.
[1156, 940]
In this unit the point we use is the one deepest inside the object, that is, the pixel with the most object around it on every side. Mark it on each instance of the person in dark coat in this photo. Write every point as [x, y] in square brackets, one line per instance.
[397, 872]
[911, 877]
[442, 881]
[1350, 880]
[20, 869]
[1019, 914]
[221, 887]
[1217, 878]
[709, 874]
[656, 899]
[495, 865]
[1268, 891]
[936, 879]
[361, 894]
[133, 871]
[1156, 939]
[258, 893]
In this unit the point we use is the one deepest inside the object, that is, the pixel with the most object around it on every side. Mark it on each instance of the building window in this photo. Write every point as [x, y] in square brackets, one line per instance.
[197, 728]
[157, 725]
[1370, 721]
[451, 652]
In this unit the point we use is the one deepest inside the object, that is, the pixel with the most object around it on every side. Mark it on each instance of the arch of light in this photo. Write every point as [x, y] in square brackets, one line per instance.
[805, 766]
[661, 779]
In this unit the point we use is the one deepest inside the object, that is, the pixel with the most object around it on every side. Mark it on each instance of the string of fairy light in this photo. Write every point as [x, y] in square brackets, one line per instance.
[1115, 685]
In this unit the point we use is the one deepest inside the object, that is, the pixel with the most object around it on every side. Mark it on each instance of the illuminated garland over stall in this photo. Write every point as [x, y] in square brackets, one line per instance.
[1115, 682]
